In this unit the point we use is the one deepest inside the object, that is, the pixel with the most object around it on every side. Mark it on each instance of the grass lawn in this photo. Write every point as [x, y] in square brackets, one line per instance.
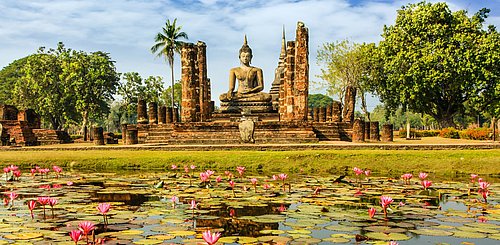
[386, 162]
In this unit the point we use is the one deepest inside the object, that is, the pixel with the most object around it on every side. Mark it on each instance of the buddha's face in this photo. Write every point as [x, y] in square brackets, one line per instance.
[245, 57]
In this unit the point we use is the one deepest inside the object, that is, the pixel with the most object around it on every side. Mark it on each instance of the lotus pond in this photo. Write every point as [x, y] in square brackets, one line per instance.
[252, 208]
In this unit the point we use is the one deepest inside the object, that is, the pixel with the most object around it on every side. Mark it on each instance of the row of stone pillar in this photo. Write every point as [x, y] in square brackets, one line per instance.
[154, 115]
[129, 135]
[330, 113]
[369, 131]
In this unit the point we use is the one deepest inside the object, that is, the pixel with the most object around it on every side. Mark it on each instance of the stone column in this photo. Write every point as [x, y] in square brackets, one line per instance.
[301, 84]
[98, 136]
[322, 114]
[168, 115]
[316, 114]
[153, 112]
[329, 113]
[367, 131]
[336, 111]
[387, 133]
[175, 115]
[190, 81]
[358, 130]
[288, 84]
[310, 114]
[162, 113]
[204, 91]
[374, 131]
[132, 138]
[142, 114]
[124, 133]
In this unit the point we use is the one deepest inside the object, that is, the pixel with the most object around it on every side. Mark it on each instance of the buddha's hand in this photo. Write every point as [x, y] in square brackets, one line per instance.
[230, 95]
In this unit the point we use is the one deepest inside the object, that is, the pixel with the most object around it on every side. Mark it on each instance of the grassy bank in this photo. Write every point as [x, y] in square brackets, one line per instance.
[387, 162]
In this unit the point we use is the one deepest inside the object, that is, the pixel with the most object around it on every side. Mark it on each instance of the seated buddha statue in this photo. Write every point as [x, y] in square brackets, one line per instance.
[250, 80]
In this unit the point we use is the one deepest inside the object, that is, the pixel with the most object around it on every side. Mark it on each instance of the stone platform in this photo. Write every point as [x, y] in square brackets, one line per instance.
[253, 106]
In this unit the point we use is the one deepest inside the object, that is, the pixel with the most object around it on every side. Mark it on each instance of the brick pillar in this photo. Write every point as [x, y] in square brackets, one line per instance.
[189, 79]
[162, 113]
[204, 91]
[329, 113]
[98, 136]
[153, 112]
[316, 114]
[374, 131]
[175, 115]
[132, 138]
[142, 113]
[288, 85]
[322, 114]
[310, 114]
[301, 84]
[387, 134]
[336, 111]
[168, 115]
[124, 133]
[358, 130]
[367, 131]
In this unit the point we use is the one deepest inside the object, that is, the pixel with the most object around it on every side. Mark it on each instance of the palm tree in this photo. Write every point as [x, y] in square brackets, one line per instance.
[167, 43]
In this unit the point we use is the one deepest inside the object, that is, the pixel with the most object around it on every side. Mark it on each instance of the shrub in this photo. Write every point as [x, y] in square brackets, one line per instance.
[419, 133]
[76, 136]
[476, 134]
[449, 133]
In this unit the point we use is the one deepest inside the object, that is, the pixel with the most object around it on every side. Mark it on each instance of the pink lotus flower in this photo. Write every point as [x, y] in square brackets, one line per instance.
[69, 183]
[12, 195]
[393, 243]
[484, 185]
[282, 208]
[192, 167]
[423, 176]
[47, 187]
[174, 167]
[357, 171]
[174, 200]
[211, 238]
[57, 169]
[426, 184]
[254, 181]
[407, 177]
[401, 204]
[13, 167]
[43, 200]
[316, 191]
[52, 202]
[368, 172]
[86, 227]
[16, 173]
[103, 208]
[371, 212]
[76, 235]
[31, 207]
[209, 173]
[275, 177]
[283, 176]
[218, 179]
[193, 205]
[232, 212]
[33, 172]
[204, 177]
[186, 169]
[385, 201]
[473, 176]
[240, 170]
[6, 169]
[485, 194]
[231, 183]
[266, 186]
[56, 186]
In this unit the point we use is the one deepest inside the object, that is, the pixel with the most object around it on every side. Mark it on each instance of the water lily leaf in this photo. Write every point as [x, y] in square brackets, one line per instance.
[271, 232]
[161, 237]
[274, 239]
[342, 228]
[23, 236]
[336, 240]
[182, 233]
[148, 242]
[384, 229]
[466, 234]
[228, 239]
[387, 237]
[432, 232]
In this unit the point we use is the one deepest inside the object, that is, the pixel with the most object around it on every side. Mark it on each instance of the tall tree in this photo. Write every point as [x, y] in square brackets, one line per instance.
[153, 88]
[438, 62]
[130, 89]
[167, 43]
[9, 75]
[344, 68]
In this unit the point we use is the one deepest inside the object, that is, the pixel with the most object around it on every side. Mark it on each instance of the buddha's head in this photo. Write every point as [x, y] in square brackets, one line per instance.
[245, 52]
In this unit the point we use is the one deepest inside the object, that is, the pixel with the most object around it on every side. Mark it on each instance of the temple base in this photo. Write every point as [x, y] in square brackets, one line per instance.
[252, 107]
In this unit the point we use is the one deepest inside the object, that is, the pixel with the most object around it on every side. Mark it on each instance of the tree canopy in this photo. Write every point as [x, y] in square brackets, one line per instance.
[438, 62]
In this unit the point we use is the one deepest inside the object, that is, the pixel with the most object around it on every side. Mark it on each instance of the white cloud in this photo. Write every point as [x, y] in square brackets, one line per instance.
[126, 29]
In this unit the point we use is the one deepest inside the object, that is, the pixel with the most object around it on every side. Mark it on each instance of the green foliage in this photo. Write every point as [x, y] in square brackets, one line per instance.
[319, 100]
[476, 133]
[398, 118]
[438, 62]
[167, 43]
[420, 133]
[167, 94]
[449, 132]
[8, 78]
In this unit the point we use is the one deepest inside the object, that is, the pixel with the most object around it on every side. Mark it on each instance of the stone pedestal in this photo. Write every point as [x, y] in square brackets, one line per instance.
[374, 131]
[132, 136]
[124, 133]
[142, 114]
[153, 112]
[367, 131]
[254, 107]
[98, 136]
[162, 113]
[387, 133]
[316, 114]
[358, 131]
[169, 115]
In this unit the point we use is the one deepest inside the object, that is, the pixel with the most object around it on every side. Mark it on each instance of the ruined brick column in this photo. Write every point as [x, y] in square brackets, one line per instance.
[336, 111]
[168, 115]
[316, 114]
[310, 114]
[153, 112]
[358, 130]
[301, 84]
[204, 86]
[288, 84]
[367, 131]
[142, 113]
[329, 113]
[162, 113]
[189, 79]
[132, 137]
[124, 133]
[387, 133]
[322, 114]
[98, 136]
[374, 131]
[175, 115]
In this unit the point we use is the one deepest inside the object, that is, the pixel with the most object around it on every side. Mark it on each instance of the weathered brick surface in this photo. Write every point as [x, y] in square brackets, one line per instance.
[142, 113]
[153, 112]
[98, 136]
[162, 113]
[51, 137]
[336, 111]
[204, 93]
[358, 131]
[374, 131]
[387, 133]
[287, 103]
[190, 82]
[19, 131]
[301, 83]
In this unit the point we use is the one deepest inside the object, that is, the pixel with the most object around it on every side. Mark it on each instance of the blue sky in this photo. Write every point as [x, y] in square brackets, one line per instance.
[126, 28]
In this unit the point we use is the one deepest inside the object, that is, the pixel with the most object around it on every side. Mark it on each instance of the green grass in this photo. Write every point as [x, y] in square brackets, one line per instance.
[387, 162]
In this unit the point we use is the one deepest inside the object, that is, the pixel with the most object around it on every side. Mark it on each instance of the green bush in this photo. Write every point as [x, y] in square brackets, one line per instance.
[76, 136]
[419, 133]
[450, 132]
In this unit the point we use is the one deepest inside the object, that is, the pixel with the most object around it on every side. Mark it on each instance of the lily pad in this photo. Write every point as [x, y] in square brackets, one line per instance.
[432, 232]
[23, 236]
[387, 237]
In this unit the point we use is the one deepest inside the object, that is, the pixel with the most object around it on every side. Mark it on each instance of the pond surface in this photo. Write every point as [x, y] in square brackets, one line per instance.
[306, 210]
